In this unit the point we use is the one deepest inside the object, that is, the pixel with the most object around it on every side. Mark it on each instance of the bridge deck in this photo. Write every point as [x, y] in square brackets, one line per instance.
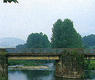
[33, 56]
[41, 56]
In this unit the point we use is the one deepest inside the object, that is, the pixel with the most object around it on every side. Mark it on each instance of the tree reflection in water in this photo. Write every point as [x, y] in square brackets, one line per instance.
[34, 74]
[57, 78]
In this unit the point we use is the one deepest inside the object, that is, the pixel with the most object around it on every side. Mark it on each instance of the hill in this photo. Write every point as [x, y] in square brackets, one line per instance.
[10, 42]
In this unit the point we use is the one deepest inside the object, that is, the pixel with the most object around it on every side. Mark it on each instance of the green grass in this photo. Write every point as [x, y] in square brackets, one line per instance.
[92, 65]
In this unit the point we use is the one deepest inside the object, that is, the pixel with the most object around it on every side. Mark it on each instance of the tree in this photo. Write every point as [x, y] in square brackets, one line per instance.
[5, 1]
[64, 35]
[21, 46]
[38, 40]
[89, 41]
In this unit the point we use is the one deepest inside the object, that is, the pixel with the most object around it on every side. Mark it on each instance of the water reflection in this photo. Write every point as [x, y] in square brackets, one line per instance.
[36, 75]
[31, 75]
[67, 79]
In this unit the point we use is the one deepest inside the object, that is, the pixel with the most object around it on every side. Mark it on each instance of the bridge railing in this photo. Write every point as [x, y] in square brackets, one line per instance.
[35, 50]
[38, 50]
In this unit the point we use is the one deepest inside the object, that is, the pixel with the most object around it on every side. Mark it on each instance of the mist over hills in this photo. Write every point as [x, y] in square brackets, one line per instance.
[10, 42]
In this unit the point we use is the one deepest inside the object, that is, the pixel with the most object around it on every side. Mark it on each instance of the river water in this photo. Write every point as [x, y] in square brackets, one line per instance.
[39, 75]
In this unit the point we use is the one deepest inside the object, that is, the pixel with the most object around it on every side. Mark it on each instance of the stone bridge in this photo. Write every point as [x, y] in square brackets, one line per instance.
[44, 54]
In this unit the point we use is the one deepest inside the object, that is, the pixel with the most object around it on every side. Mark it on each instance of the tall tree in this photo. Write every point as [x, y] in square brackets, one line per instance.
[64, 35]
[38, 40]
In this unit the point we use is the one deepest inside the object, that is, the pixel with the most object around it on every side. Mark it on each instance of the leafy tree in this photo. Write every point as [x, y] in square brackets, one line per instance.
[64, 35]
[21, 46]
[89, 41]
[38, 40]
[5, 1]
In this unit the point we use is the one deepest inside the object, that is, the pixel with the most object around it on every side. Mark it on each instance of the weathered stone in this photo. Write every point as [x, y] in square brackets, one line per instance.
[66, 72]
[69, 66]
[3, 67]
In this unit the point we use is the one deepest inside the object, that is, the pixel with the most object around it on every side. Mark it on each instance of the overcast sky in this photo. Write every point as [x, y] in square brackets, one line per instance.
[19, 20]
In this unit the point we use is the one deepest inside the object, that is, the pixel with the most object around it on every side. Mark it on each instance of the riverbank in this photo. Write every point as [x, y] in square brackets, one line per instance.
[27, 67]
[90, 64]
[29, 62]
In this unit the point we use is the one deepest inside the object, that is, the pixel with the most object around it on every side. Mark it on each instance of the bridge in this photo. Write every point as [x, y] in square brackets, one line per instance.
[42, 56]
[47, 54]
[44, 53]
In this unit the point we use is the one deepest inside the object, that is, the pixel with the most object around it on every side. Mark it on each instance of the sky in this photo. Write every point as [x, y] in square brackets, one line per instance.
[32, 16]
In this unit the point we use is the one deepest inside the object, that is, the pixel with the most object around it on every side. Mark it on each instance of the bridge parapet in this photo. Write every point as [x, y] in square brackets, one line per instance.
[44, 50]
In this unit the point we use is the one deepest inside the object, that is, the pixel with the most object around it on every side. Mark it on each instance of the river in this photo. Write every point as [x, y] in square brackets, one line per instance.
[39, 75]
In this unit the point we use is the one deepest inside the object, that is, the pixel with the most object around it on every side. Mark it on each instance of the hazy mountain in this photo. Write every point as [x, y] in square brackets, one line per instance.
[10, 42]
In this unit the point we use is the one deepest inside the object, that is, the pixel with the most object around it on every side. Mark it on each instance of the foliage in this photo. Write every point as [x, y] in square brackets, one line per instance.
[3, 53]
[64, 35]
[28, 62]
[5, 1]
[89, 41]
[91, 65]
[21, 46]
[38, 40]
[75, 57]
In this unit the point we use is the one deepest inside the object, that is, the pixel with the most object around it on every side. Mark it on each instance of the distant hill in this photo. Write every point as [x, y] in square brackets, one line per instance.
[10, 42]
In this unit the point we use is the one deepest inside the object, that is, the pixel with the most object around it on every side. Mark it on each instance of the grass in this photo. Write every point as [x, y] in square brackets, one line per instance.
[92, 65]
